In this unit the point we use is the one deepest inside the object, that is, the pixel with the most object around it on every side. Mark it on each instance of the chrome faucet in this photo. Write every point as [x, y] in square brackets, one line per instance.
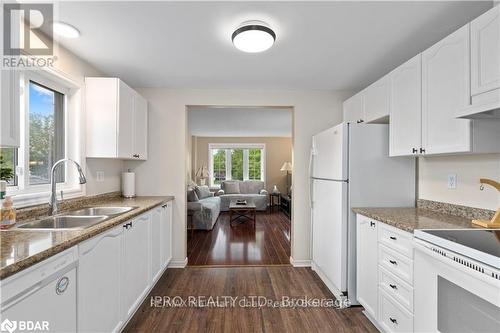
[53, 195]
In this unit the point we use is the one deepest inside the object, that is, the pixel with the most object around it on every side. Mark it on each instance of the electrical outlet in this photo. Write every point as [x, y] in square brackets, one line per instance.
[452, 181]
[100, 176]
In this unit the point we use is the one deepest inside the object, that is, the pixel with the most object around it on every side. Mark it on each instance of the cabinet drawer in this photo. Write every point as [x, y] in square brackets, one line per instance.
[397, 288]
[392, 316]
[395, 263]
[395, 239]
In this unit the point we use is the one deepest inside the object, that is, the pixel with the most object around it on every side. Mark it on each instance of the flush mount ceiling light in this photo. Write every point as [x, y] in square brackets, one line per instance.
[253, 37]
[65, 30]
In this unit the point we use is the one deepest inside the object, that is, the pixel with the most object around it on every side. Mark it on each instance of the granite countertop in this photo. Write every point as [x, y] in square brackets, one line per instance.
[21, 249]
[409, 219]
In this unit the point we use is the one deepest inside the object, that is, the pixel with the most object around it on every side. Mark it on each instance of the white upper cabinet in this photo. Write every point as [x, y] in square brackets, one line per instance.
[116, 120]
[406, 108]
[9, 109]
[377, 100]
[140, 127]
[485, 67]
[485, 52]
[445, 89]
[353, 109]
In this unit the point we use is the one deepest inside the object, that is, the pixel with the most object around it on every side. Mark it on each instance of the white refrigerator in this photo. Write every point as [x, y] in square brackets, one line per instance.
[350, 167]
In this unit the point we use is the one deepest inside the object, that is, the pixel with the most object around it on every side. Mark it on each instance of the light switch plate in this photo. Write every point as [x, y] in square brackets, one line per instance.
[100, 176]
[452, 181]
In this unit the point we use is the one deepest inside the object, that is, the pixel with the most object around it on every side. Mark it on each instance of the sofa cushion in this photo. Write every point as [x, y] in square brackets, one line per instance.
[191, 195]
[251, 186]
[231, 187]
[202, 192]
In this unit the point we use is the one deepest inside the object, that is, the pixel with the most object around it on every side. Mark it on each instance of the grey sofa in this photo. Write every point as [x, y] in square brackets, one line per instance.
[203, 208]
[246, 190]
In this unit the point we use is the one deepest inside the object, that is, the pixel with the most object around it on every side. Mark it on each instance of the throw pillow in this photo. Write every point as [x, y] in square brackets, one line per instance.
[191, 195]
[232, 187]
[202, 191]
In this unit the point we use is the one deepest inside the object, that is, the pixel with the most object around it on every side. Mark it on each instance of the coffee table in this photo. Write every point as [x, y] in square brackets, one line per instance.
[246, 211]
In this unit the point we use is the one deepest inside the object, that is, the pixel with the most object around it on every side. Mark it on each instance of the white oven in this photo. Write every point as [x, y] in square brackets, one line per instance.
[452, 291]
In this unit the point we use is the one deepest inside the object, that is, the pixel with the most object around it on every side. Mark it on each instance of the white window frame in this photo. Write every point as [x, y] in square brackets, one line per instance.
[228, 147]
[24, 193]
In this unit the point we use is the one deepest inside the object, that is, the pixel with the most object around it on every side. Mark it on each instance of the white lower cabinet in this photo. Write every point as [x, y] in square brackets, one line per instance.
[366, 265]
[166, 235]
[385, 274]
[156, 264]
[99, 279]
[136, 262]
[393, 317]
[119, 267]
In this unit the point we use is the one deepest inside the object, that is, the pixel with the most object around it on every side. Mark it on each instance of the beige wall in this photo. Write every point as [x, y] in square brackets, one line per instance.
[433, 179]
[164, 171]
[278, 151]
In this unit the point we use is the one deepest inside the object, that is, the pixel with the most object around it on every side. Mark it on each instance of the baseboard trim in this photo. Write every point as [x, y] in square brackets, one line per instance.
[178, 263]
[300, 263]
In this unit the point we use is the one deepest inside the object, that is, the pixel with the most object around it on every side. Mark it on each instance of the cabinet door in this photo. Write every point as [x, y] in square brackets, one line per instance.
[140, 127]
[485, 52]
[405, 128]
[156, 243]
[446, 89]
[367, 264]
[377, 100]
[166, 234]
[99, 277]
[9, 108]
[136, 262]
[125, 121]
[353, 108]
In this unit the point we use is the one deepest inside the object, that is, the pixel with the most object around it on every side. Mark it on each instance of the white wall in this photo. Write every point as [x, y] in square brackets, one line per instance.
[75, 68]
[164, 171]
[433, 179]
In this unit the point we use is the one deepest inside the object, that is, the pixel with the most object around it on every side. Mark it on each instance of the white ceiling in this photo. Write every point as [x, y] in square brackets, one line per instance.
[320, 45]
[240, 122]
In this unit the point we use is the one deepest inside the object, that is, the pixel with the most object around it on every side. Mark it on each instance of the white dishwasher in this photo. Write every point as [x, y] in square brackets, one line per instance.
[42, 297]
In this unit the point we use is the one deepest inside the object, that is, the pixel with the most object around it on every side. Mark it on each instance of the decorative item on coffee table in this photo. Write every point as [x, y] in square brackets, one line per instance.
[242, 209]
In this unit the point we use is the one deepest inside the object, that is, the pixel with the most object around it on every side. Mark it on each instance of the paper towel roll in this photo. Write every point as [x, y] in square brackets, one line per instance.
[128, 184]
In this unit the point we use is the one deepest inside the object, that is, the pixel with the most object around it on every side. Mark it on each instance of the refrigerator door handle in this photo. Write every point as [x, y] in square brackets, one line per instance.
[310, 178]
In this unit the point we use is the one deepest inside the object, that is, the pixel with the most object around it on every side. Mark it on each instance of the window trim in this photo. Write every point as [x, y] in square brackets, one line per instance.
[25, 194]
[228, 147]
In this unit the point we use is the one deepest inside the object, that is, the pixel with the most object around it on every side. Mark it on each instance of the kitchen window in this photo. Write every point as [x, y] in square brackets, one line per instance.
[50, 130]
[236, 162]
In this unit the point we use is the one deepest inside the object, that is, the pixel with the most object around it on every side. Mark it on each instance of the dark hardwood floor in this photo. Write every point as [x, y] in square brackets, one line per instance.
[272, 282]
[241, 244]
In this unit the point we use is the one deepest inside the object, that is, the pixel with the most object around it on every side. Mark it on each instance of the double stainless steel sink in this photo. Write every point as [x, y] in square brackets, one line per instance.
[77, 219]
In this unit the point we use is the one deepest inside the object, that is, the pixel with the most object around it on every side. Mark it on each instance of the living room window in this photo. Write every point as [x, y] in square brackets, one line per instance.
[235, 162]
